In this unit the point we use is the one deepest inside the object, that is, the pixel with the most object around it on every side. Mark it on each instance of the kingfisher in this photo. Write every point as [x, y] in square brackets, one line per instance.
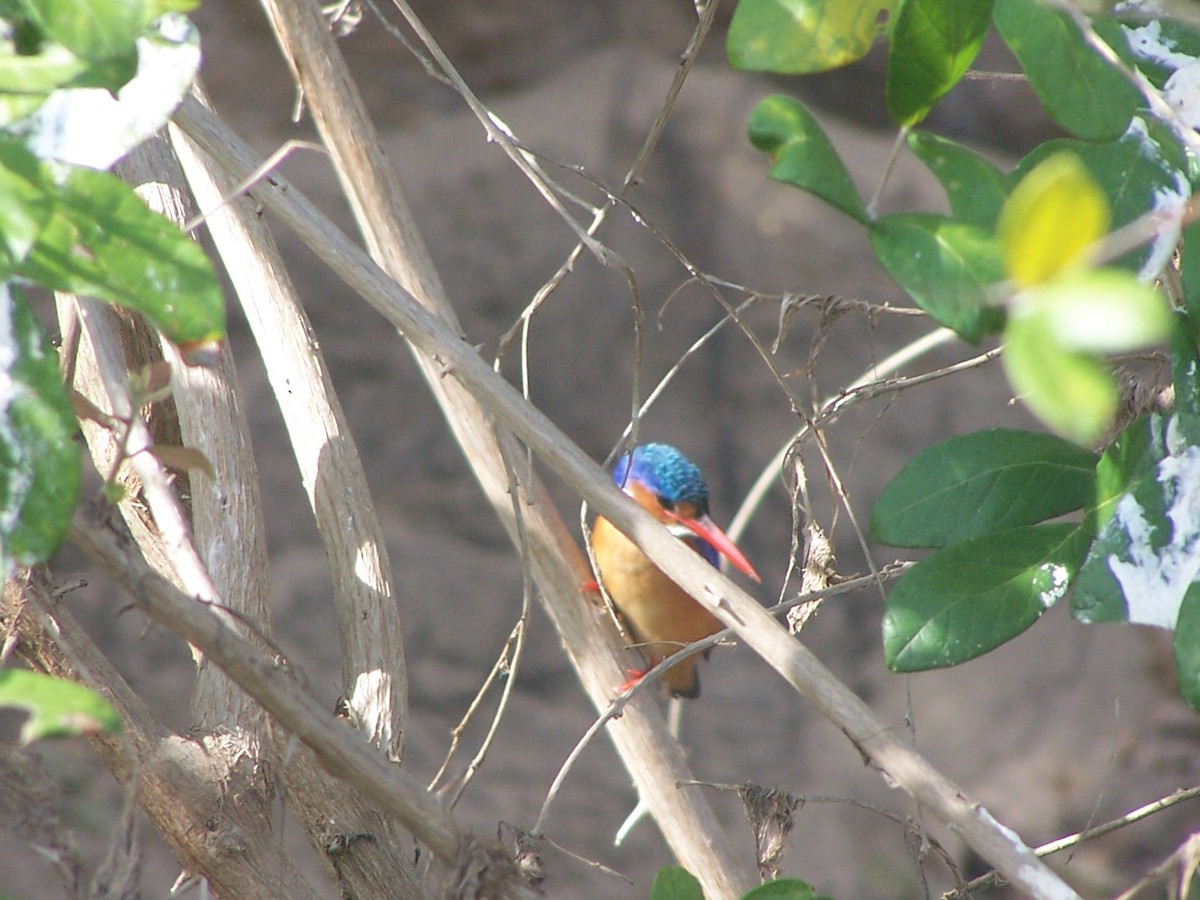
[661, 616]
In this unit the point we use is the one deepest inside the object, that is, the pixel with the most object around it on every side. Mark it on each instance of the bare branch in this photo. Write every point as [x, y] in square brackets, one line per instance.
[724, 599]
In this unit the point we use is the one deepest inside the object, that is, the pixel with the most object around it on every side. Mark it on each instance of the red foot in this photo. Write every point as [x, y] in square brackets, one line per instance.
[635, 675]
[591, 586]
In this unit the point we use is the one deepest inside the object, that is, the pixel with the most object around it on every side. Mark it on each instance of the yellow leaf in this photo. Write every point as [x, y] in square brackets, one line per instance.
[1052, 221]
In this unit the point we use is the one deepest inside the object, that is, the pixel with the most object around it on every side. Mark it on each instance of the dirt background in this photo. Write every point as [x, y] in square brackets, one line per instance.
[1065, 727]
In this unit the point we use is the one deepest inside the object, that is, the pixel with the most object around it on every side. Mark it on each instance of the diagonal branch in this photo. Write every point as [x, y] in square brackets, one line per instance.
[653, 759]
[885, 751]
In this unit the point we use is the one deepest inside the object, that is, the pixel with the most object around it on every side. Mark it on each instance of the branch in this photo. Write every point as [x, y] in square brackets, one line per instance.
[340, 749]
[181, 785]
[737, 609]
[655, 762]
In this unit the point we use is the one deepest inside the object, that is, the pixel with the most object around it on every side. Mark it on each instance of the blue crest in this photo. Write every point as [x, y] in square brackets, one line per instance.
[666, 472]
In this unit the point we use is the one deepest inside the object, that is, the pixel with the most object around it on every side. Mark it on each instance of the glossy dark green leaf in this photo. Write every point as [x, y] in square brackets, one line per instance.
[1143, 171]
[945, 266]
[1144, 559]
[795, 37]
[1082, 92]
[783, 889]
[1187, 647]
[102, 241]
[933, 44]
[801, 154]
[981, 483]
[57, 707]
[675, 883]
[975, 188]
[39, 460]
[969, 598]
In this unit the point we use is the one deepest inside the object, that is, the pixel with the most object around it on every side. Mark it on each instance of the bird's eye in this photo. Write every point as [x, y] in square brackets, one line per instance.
[664, 502]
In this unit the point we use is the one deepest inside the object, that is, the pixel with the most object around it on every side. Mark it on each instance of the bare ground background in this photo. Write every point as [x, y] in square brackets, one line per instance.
[1065, 727]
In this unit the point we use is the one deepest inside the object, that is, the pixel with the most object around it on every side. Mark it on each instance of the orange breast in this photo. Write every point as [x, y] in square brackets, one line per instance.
[661, 616]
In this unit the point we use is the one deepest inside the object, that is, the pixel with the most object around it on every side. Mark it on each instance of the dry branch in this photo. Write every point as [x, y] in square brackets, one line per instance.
[460, 362]
[653, 759]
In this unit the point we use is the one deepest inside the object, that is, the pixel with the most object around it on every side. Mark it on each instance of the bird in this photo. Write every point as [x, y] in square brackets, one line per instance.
[659, 614]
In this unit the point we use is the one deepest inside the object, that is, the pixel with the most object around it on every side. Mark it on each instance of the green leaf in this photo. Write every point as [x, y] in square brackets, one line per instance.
[945, 266]
[39, 460]
[1157, 47]
[969, 598]
[1144, 171]
[796, 37]
[801, 154]
[1144, 558]
[675, 883]
[975, 188]
[783, 889]
[933, 43]
[56, 707]
[102, 241]
[94, 128]
[92, 29]
[25, 203]
[1070, 391]
[1100, 311]
[1185, 374]
[981, 483]
[1187, 647]
[1082, 92]
[38, 73]
[1189, 271]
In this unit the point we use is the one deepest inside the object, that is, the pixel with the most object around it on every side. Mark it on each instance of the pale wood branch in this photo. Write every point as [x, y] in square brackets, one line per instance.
[217, 834]
[653, 758]
[884, 750]
[374, 680]
[339, 748]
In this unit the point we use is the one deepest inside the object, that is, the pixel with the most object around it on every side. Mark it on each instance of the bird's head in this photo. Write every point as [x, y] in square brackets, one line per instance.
[669, 485]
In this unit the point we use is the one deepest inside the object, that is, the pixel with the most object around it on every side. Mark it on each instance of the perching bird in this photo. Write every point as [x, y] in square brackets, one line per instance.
[660, 615]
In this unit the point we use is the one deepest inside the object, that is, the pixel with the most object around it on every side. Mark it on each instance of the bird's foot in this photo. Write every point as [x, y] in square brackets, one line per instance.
[591, 586]
[635, 675]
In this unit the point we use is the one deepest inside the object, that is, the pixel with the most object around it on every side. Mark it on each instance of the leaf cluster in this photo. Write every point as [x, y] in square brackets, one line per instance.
[1058, 258]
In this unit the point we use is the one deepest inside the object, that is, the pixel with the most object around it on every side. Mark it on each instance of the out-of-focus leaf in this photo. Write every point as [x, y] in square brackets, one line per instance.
[56, 707]
[25, 203]
[1144, 171]
[93, 127]
[1070, 391]
[675, 883]
[1052, 221]
[1102, 311]
[39, 460]
[102, 241]
[795, 37]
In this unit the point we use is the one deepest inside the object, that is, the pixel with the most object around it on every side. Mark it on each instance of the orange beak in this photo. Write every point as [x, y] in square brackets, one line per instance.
[707, 529]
